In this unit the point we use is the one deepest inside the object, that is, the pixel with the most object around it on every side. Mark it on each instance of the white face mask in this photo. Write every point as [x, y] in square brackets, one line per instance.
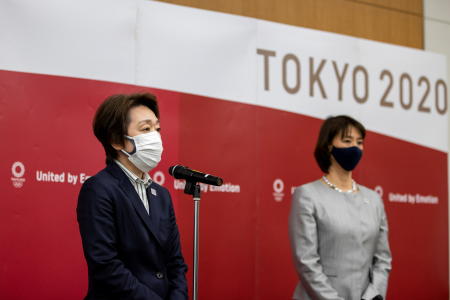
[147, 150]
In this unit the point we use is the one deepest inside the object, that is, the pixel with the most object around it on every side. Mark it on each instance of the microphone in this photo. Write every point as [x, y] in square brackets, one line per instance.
[182, 172]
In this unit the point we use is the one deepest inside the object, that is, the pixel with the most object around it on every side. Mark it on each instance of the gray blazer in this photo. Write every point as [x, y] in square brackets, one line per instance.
[339, 243]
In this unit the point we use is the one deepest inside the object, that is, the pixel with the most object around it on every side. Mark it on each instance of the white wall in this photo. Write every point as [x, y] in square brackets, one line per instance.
[437, 35]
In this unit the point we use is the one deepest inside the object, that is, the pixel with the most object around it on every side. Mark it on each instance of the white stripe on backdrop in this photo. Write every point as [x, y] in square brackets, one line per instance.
[396, 91]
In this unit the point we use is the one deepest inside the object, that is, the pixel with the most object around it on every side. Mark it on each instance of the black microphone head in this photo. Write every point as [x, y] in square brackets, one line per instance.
[172, 169]
[183, 172]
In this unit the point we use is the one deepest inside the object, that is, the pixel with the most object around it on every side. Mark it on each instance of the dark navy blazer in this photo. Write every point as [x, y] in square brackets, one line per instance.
[130, 254]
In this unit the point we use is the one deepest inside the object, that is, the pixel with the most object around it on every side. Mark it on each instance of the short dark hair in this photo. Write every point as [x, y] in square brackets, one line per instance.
[111, 120]
[331, 127]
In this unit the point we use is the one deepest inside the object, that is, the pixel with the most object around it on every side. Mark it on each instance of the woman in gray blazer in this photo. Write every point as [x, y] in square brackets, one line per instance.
[338, 228]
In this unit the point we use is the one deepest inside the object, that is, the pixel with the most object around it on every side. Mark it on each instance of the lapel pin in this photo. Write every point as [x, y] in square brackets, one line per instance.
[153, 191]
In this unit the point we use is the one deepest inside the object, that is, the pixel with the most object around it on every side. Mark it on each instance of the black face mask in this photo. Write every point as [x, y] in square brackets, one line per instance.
[347, 158]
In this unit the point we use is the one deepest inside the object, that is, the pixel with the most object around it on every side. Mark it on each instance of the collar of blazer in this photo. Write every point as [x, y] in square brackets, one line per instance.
[152, 221]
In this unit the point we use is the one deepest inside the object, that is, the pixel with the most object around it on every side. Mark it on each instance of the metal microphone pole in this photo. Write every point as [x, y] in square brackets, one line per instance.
[193, 188]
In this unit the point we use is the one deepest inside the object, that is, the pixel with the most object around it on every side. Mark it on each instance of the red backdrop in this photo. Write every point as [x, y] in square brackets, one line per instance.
[45, 123]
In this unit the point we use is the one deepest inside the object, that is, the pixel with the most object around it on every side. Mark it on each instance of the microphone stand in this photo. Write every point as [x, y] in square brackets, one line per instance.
[193, 188]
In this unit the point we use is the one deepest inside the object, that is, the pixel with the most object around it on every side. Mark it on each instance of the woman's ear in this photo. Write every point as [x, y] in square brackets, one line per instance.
[117, 147]
[117, 143]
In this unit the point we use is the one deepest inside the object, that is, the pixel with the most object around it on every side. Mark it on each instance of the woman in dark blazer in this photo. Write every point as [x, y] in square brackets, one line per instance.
[338, 228]
[127, 222]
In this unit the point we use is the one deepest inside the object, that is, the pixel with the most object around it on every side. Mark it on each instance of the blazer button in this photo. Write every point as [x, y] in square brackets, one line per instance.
[159, 275]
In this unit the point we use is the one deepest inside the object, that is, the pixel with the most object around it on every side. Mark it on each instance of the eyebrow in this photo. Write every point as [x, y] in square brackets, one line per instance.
[148, 121]
[351, 136]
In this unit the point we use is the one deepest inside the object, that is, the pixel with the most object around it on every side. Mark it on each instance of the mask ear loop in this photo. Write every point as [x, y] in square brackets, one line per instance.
[134, 146]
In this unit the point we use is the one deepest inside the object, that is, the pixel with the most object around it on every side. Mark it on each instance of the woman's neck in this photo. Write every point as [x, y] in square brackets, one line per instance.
[340, 177]
[126, 162]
